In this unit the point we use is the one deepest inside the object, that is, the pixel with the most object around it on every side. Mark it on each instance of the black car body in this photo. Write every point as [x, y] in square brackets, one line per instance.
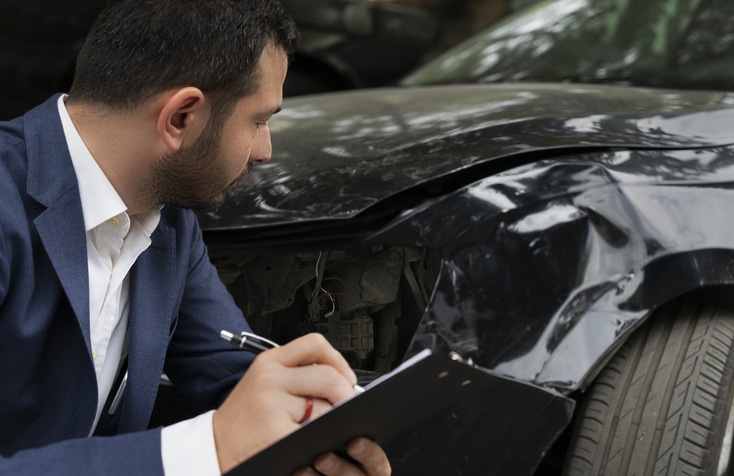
[532, 228]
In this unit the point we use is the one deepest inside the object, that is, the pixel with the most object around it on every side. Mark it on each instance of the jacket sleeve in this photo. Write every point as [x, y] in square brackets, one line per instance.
[111, 456]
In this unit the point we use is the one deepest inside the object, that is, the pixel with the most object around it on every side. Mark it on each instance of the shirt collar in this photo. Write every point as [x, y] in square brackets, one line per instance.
[100, 200]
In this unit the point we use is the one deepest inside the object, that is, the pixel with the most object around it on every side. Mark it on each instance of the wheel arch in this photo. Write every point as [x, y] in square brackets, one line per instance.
[723, 294]
[667, 388]
[575, 363]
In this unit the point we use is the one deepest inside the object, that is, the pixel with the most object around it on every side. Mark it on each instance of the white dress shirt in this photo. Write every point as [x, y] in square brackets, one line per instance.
[114, 242]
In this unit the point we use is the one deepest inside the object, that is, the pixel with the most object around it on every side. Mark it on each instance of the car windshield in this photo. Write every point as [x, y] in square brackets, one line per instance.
[663, 43]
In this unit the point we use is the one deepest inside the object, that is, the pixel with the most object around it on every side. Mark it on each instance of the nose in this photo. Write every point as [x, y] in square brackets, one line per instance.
[262, 149]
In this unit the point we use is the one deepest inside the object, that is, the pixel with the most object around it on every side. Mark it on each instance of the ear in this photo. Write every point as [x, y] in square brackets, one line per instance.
[183, 115]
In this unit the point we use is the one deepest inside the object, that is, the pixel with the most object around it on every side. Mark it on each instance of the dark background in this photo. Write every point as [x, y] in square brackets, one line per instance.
[346, 43]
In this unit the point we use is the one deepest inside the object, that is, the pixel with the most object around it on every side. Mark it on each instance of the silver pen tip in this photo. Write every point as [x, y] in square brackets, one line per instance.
[226, 335]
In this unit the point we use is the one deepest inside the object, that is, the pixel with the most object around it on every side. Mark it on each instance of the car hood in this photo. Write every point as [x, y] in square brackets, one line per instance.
[337, 154]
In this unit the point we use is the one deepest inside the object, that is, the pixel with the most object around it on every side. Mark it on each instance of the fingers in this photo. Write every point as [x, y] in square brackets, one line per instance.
[371, 456]
[312, 407]
[317, 380]
[309, 366]
[319, 407]
[270, 399]
[312, 349]
[330, 464]
[298, 408]
[371, 459]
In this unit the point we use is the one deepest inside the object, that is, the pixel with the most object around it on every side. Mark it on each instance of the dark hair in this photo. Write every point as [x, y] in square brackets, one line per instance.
[139, 48]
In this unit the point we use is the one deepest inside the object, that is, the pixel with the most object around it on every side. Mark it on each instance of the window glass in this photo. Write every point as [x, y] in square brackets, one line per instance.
[674, 43]
[705, 56]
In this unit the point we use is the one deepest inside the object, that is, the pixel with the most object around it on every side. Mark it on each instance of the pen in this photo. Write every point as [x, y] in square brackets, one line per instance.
[248, 341]
[256, 344]
[117, 400]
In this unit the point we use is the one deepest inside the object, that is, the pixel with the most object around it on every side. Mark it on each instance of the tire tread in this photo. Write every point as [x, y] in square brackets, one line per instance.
[656, 408]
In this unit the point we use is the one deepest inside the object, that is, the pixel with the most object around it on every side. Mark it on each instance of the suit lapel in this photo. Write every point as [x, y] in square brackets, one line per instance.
[151, 311]
[52, 182]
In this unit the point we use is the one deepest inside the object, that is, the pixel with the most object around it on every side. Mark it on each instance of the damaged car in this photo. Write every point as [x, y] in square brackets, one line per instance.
[570, 237]
[575, 240]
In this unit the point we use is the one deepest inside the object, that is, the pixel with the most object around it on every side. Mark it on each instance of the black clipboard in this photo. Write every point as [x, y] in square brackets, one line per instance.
[418, 389]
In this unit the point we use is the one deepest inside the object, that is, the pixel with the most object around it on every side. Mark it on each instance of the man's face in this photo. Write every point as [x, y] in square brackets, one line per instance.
[197, 176]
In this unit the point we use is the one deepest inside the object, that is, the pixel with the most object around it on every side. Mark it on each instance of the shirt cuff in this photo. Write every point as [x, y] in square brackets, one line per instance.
[187, 447]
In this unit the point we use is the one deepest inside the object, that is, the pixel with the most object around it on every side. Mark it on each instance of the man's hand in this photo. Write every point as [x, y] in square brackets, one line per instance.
[371, 457]
[270, 400]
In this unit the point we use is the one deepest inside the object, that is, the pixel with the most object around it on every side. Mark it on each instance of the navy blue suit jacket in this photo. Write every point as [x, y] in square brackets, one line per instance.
[48, 393]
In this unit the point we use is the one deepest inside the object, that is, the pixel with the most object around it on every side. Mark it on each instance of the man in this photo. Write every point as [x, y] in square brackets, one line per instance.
[103, 271]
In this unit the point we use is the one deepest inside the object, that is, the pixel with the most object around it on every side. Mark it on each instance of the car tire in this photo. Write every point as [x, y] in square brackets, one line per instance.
[663, 404]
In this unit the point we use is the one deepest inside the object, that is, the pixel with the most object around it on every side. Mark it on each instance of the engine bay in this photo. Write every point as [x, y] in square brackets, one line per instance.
[367, 302]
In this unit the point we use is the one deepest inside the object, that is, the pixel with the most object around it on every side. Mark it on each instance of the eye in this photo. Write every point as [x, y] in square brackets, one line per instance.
[262, 125]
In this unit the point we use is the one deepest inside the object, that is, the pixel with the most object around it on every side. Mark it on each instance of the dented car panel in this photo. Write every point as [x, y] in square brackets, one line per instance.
[532, 239]
[542, 286]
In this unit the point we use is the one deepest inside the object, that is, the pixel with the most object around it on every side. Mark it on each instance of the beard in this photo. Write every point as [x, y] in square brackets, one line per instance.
[194, 177]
